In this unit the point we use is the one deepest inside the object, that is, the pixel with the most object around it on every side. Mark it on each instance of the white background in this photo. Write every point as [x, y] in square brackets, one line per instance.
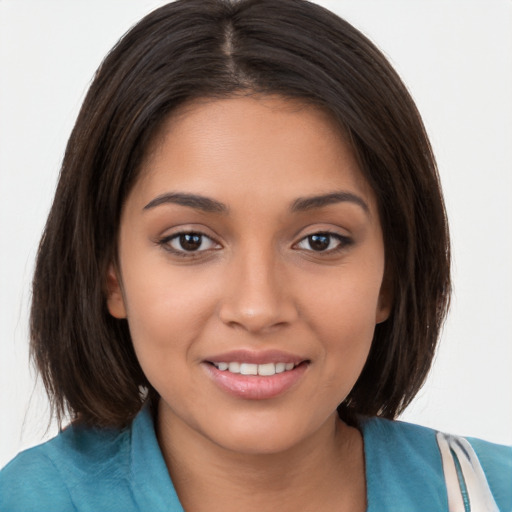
[456, 58]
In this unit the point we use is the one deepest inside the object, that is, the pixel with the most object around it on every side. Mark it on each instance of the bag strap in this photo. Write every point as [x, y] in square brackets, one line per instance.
[466, 484]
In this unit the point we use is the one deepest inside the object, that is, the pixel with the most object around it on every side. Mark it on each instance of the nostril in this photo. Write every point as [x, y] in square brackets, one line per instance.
[271, 315]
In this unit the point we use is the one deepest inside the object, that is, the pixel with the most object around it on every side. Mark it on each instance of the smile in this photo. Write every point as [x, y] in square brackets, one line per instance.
[266, 370]
[259, 380]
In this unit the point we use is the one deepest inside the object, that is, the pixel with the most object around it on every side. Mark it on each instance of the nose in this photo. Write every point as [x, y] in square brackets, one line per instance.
[257, 297]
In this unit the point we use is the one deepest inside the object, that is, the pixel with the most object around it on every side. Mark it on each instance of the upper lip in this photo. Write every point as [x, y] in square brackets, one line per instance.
[256, 357]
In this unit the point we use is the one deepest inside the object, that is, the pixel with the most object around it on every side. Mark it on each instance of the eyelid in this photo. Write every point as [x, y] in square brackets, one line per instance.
[185, 229]
[165, 243]
[344, 241]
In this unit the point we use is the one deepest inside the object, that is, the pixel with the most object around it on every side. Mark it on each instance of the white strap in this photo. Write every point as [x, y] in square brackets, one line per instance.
[476, 497]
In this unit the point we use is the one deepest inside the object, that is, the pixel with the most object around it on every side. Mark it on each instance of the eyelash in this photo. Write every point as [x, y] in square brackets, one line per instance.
[343, 243]
[166, 244]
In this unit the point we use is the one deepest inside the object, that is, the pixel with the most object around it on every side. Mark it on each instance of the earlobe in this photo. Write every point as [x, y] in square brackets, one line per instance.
[385, 303]
[383, 311]
[115, 299]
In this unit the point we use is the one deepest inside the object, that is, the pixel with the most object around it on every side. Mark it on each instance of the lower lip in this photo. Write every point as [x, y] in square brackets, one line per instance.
[255, 387]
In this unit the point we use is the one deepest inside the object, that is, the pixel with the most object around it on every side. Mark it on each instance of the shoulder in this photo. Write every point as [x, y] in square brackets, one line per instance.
[54, 475]
[411, 452]
[496, 461]
[403, 466]
[31, 482]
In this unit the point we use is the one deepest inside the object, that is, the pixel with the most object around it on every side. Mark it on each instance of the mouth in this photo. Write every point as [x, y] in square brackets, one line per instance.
[265, 369]
[251, 376]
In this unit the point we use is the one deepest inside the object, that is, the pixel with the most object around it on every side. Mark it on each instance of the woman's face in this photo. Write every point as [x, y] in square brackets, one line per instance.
[251, 244]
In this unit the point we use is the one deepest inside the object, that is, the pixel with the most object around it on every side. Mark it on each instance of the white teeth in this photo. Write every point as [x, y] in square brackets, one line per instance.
[280, 367]
[267, 369]
[234, 367]
[248, 369]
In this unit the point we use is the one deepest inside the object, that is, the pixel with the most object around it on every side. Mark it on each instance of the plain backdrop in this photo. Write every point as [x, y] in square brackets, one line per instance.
[456, 58]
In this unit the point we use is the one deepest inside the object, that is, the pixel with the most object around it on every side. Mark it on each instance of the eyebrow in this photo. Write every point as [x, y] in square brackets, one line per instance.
[312, 202]
[210, 205]
[196, 201]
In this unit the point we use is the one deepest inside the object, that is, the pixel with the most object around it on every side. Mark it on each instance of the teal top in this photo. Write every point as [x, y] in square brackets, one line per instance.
[84, 469]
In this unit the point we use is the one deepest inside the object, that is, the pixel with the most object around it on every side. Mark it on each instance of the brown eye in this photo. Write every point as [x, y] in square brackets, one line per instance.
[319, 242]
[324, 242]
[189, 242]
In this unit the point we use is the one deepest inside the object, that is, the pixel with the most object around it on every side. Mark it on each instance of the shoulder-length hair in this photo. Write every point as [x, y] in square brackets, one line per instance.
[218, 48]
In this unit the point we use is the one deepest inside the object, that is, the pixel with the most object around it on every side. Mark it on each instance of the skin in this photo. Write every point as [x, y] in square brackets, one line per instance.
[254, 283]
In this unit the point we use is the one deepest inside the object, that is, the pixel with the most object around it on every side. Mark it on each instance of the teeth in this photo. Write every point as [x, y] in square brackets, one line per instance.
[234, 367]
[266, 369]
[248, 369]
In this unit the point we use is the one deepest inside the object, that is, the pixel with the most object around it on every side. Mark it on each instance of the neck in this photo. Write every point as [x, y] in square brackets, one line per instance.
[323, 472]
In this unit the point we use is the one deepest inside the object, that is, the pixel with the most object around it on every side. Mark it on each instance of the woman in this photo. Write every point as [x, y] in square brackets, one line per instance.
[243, 277]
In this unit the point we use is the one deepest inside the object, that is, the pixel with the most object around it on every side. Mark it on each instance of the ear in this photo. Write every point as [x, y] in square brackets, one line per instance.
[115, 299]
[385, 302]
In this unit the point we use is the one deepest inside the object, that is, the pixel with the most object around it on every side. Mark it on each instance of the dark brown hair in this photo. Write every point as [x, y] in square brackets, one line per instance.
[217, 48]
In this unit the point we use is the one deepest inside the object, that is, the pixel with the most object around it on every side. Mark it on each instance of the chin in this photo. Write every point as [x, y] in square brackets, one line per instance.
[263, 435]
[258, 443]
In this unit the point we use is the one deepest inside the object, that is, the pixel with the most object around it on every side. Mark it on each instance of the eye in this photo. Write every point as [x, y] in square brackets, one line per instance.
[188, 242]
[324, 242]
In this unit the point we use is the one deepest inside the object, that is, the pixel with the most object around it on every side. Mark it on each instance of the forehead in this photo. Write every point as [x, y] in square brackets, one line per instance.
[251, 145]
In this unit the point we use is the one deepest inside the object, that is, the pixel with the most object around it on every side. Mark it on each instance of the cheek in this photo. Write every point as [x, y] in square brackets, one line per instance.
[166, 310]
[347, 299]
[342, 313]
